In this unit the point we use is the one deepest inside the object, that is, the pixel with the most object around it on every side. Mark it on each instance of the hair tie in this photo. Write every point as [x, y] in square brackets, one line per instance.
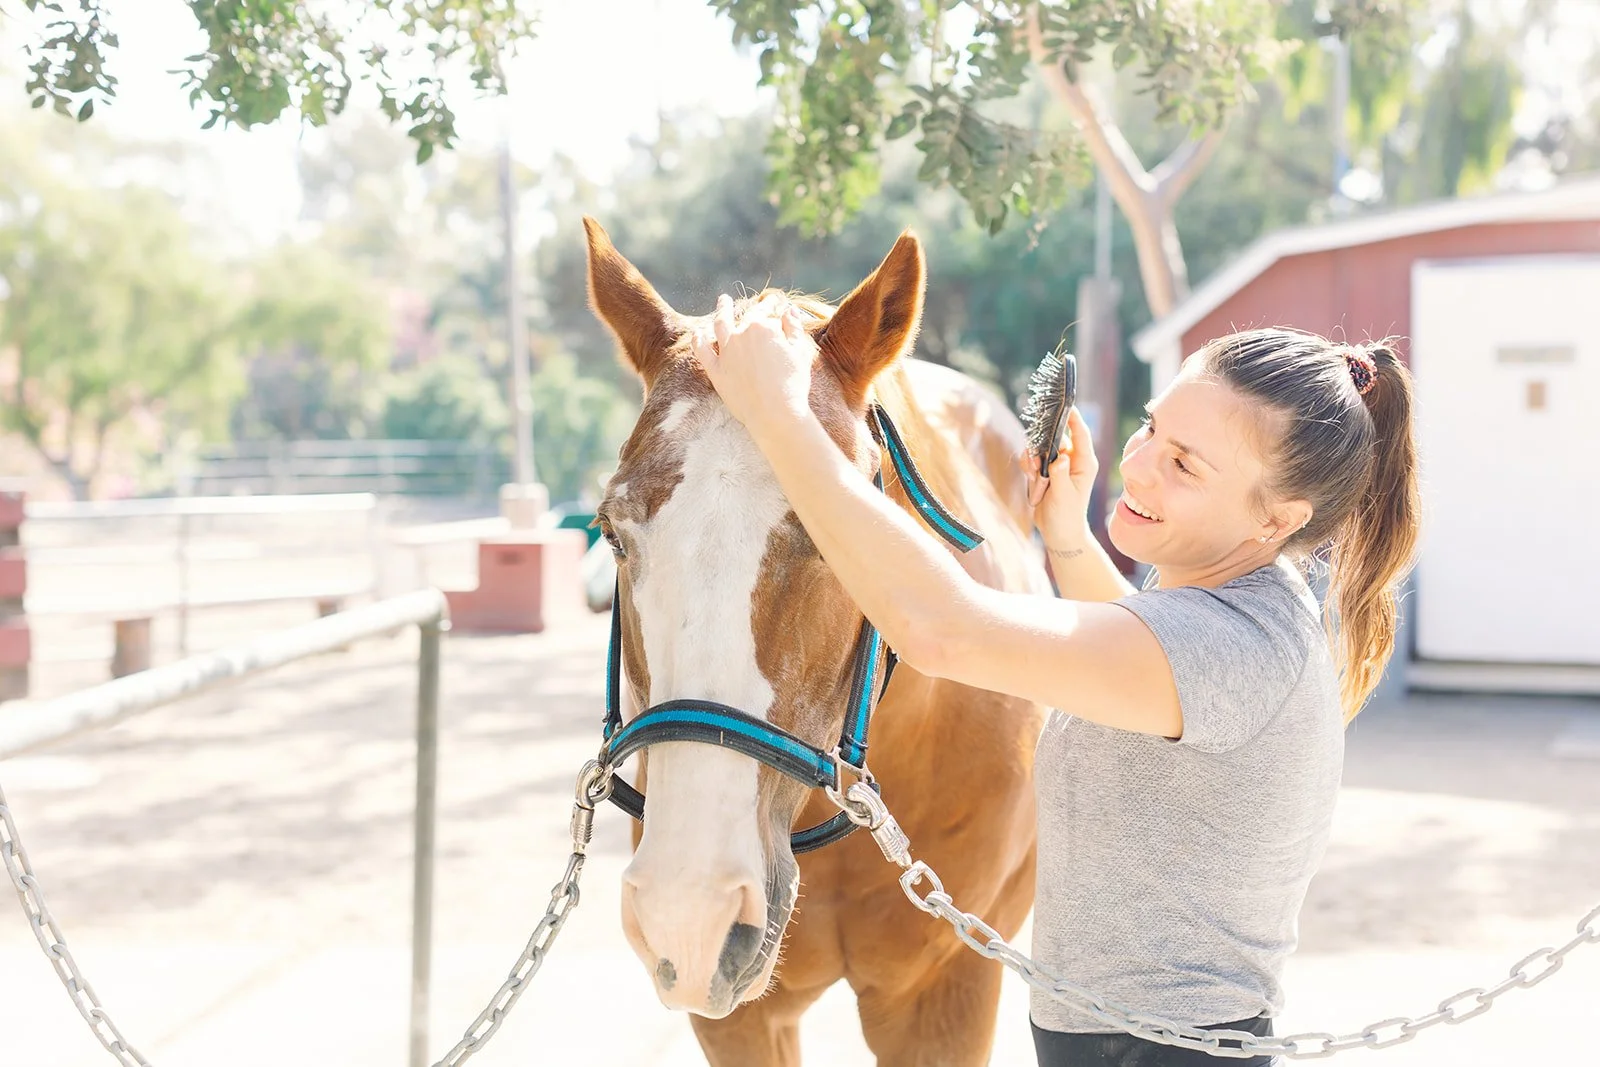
[1363, 369]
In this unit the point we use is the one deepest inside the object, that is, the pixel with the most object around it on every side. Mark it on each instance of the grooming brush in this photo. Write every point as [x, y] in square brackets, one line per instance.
[1052, 389]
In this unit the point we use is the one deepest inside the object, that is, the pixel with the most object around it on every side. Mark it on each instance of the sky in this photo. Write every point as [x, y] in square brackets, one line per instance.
[594, 78]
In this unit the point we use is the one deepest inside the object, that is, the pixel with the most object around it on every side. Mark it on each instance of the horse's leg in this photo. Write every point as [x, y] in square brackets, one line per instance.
[946, 1020]
[762, 1033]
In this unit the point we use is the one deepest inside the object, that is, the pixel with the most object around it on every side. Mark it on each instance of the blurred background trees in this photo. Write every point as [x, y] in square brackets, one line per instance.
[128, 332]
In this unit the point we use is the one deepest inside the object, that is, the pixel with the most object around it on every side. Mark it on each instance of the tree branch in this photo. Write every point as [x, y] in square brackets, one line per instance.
[1160, 256]
[1178, 171]
[1111, 151]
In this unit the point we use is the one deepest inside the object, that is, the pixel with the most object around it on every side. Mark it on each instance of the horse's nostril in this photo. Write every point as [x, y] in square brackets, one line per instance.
[738, 953]
[666, 975]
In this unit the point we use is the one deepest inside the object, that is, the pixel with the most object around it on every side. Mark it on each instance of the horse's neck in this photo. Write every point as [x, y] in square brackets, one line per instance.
[1007, 559]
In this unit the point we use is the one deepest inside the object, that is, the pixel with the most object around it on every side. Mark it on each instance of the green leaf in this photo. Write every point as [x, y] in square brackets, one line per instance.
[86, 111]
[902, 124]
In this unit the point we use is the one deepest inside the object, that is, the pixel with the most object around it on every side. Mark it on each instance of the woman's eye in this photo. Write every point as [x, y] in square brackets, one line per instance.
[1180, 465]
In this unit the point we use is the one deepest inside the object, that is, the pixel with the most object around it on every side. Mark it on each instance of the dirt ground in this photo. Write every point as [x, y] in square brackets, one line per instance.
[233, 875]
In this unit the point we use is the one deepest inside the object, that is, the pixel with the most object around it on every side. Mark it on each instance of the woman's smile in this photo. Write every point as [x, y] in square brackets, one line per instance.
[1136, 512]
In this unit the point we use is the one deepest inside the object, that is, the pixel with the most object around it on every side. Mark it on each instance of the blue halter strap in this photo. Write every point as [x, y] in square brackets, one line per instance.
[709, 722]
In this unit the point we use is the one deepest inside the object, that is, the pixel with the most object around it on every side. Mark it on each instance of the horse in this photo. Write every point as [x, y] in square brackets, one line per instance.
[722, 596]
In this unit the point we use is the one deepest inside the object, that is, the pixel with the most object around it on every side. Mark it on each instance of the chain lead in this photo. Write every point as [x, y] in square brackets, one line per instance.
[594, 786]
[48, 934]
[867, 809]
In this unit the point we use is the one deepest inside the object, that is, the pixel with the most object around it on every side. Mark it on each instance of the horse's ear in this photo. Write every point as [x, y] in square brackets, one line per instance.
[877, 323]
[645, 325]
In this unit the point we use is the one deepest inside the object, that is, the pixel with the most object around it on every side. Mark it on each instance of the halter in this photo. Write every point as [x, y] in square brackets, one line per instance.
[709, 722]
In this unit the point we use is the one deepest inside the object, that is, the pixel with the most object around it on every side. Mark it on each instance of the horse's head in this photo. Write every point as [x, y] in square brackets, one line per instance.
[723, 597]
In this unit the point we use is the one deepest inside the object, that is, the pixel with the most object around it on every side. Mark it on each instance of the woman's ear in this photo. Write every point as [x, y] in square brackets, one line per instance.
[1290, 518]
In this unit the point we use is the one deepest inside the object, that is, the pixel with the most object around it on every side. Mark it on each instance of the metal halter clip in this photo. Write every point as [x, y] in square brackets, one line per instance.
[594, 786]
[866, 808]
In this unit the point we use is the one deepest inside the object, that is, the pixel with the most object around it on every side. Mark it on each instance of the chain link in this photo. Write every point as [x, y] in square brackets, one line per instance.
[54, 945]
[867, 809]
[594, 786]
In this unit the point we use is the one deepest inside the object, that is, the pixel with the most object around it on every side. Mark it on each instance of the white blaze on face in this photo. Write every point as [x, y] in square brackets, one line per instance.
[699, 560]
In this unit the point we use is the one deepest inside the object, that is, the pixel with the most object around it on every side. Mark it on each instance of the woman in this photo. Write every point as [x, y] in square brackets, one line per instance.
[1186, 782]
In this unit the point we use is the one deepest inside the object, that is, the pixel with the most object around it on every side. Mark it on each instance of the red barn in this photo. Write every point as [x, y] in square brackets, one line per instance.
[1498, 299]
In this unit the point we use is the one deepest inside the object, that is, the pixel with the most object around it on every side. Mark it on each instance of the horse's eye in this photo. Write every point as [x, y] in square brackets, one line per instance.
[611, 537]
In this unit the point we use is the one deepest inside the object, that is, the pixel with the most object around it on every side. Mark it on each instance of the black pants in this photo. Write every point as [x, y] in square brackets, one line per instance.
[1124, 1050]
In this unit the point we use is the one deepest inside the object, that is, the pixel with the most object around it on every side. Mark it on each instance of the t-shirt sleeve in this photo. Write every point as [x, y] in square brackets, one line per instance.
[1234, 660]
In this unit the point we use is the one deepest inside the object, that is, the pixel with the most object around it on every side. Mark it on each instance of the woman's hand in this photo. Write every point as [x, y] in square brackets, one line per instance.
[760, 362]
[1061, 502]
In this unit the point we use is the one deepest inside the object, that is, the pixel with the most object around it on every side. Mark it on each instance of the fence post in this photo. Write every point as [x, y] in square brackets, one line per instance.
[422, 872]
[131, 648]
[16, 639]
[183, 585]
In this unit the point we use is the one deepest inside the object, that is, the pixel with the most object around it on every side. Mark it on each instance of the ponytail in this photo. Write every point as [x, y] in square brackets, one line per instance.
[1373, 549]
[1346, 446]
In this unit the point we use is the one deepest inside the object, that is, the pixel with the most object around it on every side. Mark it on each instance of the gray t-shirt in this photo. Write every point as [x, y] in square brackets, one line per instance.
[1171, 873]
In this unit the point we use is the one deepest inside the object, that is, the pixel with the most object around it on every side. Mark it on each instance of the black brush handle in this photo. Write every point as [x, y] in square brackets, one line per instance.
[1061, 404]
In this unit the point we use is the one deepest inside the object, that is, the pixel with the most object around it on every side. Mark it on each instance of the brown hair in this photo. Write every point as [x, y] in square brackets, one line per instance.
[1344, 442]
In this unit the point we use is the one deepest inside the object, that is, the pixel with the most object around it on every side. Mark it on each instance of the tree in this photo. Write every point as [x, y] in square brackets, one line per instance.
[852, 73]
[699, 223]
[317, 335]
[578, 421]
[431, 236]
[446, 399]
[114, 324]
[267, 57]
[849, 74]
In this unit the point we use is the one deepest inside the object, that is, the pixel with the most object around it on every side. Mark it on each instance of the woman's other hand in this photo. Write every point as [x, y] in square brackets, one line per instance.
[1061, 502]
[759, 362]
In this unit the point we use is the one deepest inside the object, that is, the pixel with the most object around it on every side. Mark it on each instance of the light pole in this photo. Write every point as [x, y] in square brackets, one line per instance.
[524, 500]
[1340, 51]
[1099, 343]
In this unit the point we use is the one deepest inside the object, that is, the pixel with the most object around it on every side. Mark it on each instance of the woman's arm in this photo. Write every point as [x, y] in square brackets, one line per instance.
[1084, 571]
[1096, 661]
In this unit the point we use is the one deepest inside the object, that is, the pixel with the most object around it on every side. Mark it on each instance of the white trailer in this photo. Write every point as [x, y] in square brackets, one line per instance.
[1506, 353]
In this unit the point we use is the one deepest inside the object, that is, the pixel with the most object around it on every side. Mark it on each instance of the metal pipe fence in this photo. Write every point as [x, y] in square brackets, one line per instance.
[26, 727]
[177, 554]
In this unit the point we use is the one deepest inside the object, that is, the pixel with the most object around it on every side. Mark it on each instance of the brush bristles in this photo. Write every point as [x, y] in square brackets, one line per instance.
[1045, 403]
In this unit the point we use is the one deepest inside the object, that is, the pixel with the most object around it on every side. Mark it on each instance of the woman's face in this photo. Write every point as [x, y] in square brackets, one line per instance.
[1191, 478]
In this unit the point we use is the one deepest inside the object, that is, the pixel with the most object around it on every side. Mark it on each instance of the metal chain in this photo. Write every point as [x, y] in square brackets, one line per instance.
[54, 945]
[594, 786]
[867, 809]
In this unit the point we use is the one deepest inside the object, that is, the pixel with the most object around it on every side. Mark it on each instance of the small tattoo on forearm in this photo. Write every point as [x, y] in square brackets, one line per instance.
[1067, 553]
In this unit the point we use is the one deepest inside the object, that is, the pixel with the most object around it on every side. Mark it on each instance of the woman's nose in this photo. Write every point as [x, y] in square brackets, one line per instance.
[1134, 463]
